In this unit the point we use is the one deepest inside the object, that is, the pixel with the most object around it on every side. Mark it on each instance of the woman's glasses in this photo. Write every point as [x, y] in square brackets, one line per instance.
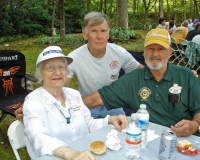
[52, 68]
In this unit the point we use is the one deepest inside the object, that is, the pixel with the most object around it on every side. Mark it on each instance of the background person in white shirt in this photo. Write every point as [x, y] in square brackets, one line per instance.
[55, 115]
[161, 24]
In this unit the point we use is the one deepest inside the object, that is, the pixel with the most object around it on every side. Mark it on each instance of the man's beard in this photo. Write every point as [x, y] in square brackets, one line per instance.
[156, 65]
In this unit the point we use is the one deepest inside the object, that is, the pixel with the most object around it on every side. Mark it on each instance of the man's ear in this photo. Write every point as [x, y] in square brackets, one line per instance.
[108, 34]
[84, 34]
[170, 52]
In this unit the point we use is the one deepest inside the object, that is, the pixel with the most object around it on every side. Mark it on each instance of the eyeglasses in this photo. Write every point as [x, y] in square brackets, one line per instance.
[52, 68]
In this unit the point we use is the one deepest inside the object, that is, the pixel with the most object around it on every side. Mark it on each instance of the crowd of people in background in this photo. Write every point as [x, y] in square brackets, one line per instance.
[189, 29]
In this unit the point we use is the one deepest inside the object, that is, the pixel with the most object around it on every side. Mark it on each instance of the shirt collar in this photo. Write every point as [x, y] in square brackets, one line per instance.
[167, 76]
[49, 99]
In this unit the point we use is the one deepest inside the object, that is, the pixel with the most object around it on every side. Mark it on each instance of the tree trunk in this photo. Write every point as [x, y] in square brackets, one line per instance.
[161, 8]
[168, 10]
[88, 6]
[146, 8]
[174, 6]
[134, 7]
[122, 14]
[184, 11]
[105, 7]
[53, 31]
[101, 5]
[62, 20]
[196, 10]
[117, 15]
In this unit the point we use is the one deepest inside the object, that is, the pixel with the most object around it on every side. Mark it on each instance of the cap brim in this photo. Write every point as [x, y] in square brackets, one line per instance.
[50, 56]
[162, 43]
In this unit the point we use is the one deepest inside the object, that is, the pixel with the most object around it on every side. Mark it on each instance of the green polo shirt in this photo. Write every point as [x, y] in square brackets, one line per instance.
[140, 87]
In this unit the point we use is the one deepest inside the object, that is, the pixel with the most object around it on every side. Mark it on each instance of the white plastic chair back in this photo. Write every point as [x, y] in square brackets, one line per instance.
[183, 41]
[16, 137]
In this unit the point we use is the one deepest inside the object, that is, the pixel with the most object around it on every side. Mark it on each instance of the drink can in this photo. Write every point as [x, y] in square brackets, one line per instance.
[167, 145]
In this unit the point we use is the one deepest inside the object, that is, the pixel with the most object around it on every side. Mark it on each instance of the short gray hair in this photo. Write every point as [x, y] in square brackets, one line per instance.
[38, 72]
[95, 18]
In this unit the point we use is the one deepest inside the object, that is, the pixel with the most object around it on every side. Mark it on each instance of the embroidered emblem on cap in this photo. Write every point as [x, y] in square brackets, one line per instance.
[156, 34]
[52, 51]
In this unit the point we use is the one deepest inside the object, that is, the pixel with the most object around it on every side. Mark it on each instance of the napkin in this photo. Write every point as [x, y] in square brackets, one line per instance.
[113, 142]
[151, 135]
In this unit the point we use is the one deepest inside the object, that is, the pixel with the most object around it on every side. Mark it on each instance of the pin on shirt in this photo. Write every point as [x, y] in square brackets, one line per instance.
[175, 89]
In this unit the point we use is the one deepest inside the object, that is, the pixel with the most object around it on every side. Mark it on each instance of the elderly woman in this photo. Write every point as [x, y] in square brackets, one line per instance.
[55, 115]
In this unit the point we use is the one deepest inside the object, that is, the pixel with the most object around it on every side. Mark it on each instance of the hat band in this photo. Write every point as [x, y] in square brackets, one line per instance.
[52, 51]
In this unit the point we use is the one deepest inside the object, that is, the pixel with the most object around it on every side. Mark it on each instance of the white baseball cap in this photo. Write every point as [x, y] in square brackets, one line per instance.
[52, 52]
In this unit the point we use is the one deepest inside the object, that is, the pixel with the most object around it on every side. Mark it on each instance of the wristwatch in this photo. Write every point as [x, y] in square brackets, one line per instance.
[199, 125]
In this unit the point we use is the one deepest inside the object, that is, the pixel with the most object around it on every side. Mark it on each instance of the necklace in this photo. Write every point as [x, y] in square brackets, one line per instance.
[68, 119]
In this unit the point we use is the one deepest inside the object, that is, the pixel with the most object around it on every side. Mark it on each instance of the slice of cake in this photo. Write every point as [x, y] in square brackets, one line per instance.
[184, 144]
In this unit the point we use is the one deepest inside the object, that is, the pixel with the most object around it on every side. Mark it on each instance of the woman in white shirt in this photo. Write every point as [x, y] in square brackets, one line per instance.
[55, 115]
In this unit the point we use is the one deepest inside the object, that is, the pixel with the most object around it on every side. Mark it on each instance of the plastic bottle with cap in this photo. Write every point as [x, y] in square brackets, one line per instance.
[143, 123]
[133, 139]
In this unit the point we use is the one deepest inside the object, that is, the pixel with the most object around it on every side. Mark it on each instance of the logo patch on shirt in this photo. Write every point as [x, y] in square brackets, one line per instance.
[114, 64]
[144, 93]
[75, 107]
[114, 76]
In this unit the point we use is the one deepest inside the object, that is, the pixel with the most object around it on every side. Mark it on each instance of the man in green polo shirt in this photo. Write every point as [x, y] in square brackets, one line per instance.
[151, 86]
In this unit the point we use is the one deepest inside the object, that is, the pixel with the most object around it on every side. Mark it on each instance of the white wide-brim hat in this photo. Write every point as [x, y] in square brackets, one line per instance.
[52, 52]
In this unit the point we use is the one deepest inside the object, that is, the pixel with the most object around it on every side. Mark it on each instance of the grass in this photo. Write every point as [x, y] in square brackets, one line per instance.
[31, 50]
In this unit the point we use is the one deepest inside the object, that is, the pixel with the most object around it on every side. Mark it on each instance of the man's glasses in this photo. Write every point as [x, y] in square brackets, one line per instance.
[52, 68]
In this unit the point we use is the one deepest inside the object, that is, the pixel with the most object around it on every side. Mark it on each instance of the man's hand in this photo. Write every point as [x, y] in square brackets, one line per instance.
[120, 122]
[195, 73]
[19, 114]
[185, 128]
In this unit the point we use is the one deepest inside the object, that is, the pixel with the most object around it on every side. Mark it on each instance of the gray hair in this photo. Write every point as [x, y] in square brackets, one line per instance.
[38, 72]
[95, 18]
[185, 24]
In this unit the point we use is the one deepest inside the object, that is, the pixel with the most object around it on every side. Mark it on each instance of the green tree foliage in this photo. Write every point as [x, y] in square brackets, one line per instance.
[24, 18]
[74, 14]
[34, 17]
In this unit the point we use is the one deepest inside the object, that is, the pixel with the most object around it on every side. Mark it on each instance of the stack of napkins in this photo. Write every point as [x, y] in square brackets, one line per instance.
[113, 142]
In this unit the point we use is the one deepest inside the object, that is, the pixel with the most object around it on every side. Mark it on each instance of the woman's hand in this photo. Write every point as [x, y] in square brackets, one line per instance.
[120, 122]
[19, 114]
[70, 154]
[86, 155]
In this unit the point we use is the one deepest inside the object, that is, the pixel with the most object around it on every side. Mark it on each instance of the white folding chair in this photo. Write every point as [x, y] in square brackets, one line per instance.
[16, 137]
[176, 50]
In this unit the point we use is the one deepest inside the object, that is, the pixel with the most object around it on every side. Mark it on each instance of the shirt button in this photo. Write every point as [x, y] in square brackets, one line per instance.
[157, 94]
[156, 85]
